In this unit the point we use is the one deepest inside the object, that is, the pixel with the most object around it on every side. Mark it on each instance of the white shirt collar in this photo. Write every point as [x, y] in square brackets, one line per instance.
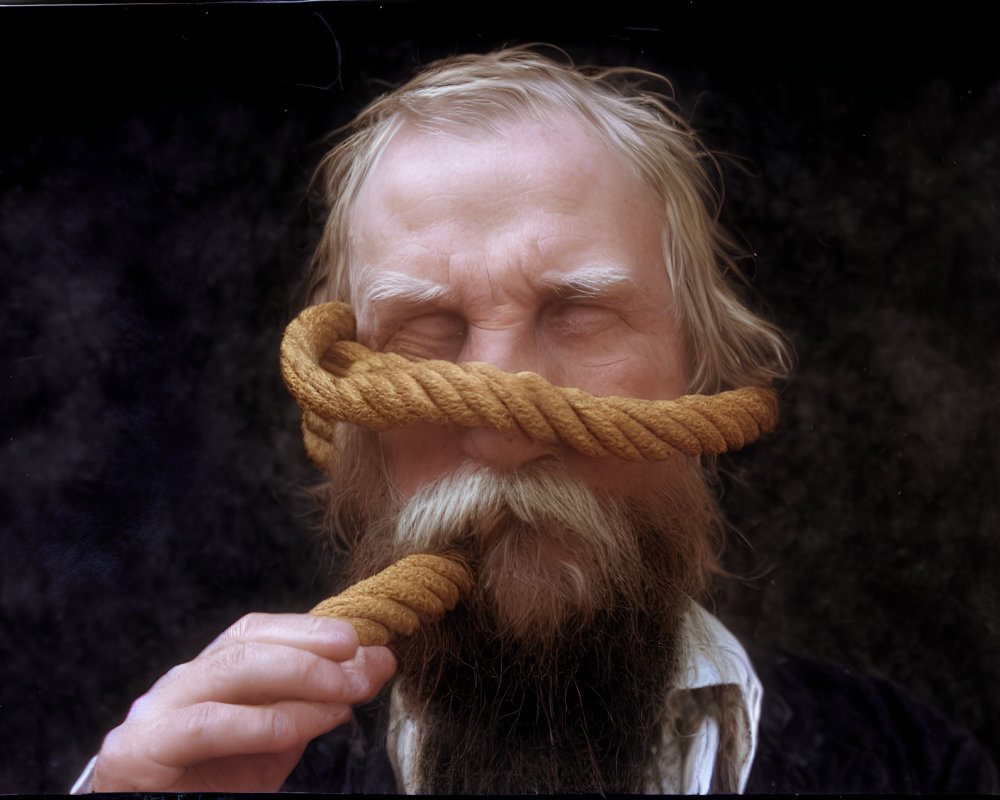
[711, 658]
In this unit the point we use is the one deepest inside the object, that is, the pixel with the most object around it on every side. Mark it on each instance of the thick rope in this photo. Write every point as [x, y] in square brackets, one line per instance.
[335, 379]
[415, 590]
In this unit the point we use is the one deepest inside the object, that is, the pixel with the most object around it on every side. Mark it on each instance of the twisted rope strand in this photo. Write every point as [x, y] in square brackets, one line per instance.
[335, 379]
[418, 589]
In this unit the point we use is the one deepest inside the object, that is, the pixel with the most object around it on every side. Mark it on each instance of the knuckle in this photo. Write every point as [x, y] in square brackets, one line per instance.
[115, 744]
[355, 690]
[233, 659]
[200, 719]
[324, 675]
[161, 693]
[197, 725]
[244, 626]
[176, 675]
[362, 685]
[284, 732]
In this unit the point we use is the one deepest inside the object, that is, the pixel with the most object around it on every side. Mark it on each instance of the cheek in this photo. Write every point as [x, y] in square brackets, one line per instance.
[644, 377]
[665, 381]
[418, 454]
[628, 480]
[650, 366]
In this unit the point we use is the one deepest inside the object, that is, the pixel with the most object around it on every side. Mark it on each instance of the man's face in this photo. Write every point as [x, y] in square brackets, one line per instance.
[533, 250]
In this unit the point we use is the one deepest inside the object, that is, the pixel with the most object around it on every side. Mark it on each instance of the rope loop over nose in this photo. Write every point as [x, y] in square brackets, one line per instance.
[335, 379]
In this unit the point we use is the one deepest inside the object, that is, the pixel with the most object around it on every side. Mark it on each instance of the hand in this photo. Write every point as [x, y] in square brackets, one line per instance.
[238, 716]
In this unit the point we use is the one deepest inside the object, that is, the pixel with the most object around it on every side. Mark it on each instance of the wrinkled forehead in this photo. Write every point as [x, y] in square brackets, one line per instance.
[433, 182]
[560, 152]
[462, 121]
[419, 154]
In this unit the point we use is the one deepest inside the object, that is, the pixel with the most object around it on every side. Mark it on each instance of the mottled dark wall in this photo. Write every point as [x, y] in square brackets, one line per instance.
[153, 163]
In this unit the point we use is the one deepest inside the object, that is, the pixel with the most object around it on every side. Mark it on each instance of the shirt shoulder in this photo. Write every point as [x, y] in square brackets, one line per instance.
[827, 729]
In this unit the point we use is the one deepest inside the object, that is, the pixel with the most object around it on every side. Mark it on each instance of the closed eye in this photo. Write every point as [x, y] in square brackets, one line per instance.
[439, 335]
[580, 319]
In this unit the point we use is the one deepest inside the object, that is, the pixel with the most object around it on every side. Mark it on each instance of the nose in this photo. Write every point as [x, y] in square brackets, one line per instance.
[509, 346]
[512, 350]
[504, 450]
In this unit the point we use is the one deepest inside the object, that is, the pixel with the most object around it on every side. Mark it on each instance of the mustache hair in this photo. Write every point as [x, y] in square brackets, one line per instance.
[476, 499]
[548, 553]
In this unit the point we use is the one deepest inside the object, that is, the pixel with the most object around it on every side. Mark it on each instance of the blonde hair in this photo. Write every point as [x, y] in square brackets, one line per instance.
[728, 346]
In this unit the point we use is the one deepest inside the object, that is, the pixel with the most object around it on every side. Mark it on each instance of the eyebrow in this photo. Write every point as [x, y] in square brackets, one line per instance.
[588, 282]
[389, 286]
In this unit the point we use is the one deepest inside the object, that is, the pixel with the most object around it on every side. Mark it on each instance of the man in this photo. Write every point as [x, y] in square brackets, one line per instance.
[512, 210]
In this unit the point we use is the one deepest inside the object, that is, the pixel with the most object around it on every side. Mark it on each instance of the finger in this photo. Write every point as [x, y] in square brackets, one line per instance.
[368, 671]
[212, 730]
[324, 636]
[252, 673]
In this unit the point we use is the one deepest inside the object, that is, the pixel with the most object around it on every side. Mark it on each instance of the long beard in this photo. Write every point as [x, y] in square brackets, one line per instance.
[552, 677]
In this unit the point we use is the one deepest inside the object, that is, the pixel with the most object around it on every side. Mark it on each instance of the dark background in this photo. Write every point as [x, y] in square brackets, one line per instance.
[153, 234]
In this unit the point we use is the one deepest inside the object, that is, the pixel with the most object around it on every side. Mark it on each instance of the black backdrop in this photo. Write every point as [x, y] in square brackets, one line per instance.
[153, 231]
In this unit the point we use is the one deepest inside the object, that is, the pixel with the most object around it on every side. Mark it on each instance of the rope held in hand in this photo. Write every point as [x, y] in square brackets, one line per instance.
[335, 379]
[417, 589]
